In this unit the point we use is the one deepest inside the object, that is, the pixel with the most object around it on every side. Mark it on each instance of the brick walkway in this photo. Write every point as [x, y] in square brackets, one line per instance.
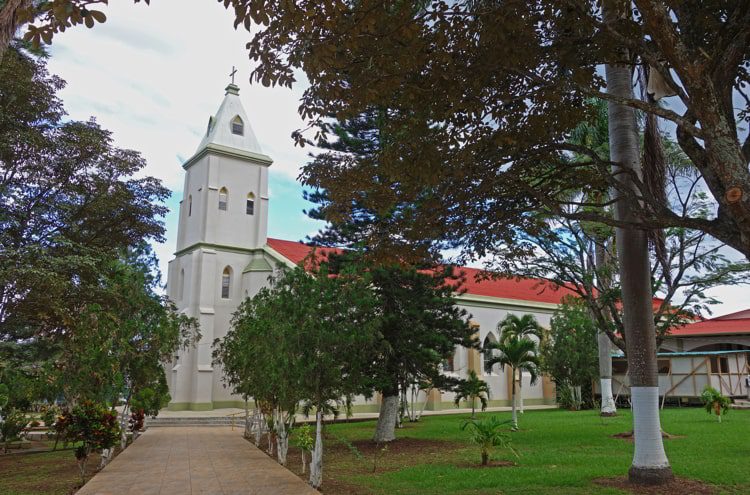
[192, 461]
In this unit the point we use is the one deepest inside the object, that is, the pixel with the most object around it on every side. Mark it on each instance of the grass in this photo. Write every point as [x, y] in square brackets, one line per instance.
[561, 452]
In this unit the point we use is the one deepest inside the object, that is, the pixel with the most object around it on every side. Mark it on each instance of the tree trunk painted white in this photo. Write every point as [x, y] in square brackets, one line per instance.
[303, 461]
[650, 464]
[605, 376]
[513, 402]
[124, 426]
[282, 438]
[316, 463]
[385, 431]
[106, 457]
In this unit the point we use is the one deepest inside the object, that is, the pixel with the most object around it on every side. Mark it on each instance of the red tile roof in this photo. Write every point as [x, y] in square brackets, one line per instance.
[536, 290]
[733, 323]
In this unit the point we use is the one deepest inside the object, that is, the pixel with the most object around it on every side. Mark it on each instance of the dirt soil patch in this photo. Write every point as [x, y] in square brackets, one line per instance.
[491, 464]
[628, 435]
[679, 486]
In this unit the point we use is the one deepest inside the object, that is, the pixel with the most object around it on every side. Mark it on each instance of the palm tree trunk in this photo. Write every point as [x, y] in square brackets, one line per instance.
[650, 464]
[520, 391]
[513, 400]
[604, 345]
[608, 407]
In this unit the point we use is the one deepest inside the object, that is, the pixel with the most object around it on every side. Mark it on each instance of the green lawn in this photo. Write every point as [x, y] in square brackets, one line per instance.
[561, 452]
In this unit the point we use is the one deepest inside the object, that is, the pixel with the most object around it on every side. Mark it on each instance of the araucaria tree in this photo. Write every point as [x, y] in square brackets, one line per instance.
[308, 338]
[507, 82]
[418, 322]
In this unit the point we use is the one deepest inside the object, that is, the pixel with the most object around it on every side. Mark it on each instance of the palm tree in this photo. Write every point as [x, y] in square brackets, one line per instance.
[525, 326]
[519, 353]
[489, 433]
[650, 464]
[473, 388]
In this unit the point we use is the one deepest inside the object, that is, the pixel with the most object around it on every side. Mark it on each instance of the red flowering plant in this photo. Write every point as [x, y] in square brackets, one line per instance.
[92, 427]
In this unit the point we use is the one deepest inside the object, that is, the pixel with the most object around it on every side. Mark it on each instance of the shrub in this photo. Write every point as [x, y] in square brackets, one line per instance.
[714, 402]
[93, 426]
[489, 433]
[13, 426]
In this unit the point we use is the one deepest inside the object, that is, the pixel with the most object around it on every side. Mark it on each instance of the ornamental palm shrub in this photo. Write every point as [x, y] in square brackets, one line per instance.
[714, 402]
[489, 433]
[471, 389]
[519, 327]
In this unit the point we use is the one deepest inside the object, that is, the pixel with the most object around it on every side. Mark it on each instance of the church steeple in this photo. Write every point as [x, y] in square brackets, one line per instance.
[230, 127]
[226, 183]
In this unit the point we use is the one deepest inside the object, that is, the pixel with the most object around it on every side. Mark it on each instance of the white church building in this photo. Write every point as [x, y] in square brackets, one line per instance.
[224, 255]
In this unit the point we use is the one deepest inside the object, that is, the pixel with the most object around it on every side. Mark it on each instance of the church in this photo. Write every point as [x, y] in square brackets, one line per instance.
[224, 255]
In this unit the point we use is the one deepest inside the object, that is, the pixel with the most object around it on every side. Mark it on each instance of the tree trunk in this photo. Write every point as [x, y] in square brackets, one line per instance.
[520, 391]
[650, 464]
[608, 407]
[385, 431]
[485, 458]
[316, 463]
[303, 460]
[604, 345]
[282, 439]
[513, 400]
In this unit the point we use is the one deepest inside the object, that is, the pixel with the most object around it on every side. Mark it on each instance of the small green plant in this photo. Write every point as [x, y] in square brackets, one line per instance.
[91, 425]
[304, 440]
[714, 402]
[471, 389]
[489, 433]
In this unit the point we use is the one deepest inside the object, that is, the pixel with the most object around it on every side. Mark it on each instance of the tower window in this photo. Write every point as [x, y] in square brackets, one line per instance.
[226, 282]
[238, 127]
[223, 196]
[250, 204]
[190, 205]
[181, 288]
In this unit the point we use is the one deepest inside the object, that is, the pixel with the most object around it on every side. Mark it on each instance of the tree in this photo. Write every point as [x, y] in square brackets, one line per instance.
[418, 322]
[518, 353]
[487, 434]
[69, 205]
[497, 118]
[472, 388]
[118, 344]
[52, 17]
[568, 352]
[308, 338]
[514, 327]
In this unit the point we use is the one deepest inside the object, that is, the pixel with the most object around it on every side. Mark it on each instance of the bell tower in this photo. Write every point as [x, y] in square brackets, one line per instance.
[221, 236]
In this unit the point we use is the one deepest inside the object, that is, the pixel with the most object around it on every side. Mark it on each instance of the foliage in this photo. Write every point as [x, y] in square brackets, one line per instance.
[303, 437]
[714, 402]
[472, 388]
[12, 425]
[117, 345]
[90, 424]
[518, 353]
[489, 145]
[308, 338]
[568, 353]
[488, 433]
[513, 326]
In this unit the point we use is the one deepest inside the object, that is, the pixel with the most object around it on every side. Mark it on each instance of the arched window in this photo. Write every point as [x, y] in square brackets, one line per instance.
[449, 363]
[223, 197]
[250, 205]
[226, 282]
[190, 205]
[210, 125]
[181, 288]
[238, 127]
[489, 339]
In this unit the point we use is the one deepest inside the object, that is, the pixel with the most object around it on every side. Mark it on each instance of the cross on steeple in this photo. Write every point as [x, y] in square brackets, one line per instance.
[231, 74]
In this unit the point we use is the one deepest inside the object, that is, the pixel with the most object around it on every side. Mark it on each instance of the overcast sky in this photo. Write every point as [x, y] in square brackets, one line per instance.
[154, 74]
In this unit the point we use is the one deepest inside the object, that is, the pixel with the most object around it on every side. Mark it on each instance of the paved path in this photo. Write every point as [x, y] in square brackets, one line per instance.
[192, 461]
